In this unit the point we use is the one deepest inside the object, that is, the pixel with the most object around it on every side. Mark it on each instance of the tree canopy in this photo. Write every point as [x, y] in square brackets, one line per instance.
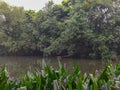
[80, 28]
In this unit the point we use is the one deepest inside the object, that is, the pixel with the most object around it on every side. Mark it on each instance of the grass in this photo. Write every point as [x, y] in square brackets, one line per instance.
[49, 78]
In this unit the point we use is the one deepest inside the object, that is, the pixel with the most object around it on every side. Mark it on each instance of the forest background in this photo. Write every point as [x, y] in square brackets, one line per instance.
[74, 28]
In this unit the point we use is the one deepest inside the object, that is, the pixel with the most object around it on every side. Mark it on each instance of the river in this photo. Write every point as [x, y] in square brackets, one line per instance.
[18, 66]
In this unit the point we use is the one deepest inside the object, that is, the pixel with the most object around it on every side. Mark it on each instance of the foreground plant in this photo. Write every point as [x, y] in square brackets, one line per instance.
[50, 79]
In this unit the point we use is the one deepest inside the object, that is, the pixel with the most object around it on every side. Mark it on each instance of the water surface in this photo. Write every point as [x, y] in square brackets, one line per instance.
[18, 66]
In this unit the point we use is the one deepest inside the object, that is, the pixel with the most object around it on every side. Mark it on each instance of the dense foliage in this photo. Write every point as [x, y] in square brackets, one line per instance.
[51, 79]
[83, 28]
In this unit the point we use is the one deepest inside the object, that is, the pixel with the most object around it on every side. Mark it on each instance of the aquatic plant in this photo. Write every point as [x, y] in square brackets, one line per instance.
[50, 79]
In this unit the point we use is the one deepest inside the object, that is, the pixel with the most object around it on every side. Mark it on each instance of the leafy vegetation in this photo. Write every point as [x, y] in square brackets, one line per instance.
[81, 28]
[62, 79]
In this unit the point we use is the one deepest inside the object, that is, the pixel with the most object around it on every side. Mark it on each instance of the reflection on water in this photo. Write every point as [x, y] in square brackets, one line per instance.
[18, 66]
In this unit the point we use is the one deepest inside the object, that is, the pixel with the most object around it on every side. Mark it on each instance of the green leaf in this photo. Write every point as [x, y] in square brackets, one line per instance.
[80, 84]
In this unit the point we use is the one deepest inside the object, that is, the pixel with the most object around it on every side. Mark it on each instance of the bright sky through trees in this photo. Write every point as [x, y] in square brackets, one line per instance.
[31, 4]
